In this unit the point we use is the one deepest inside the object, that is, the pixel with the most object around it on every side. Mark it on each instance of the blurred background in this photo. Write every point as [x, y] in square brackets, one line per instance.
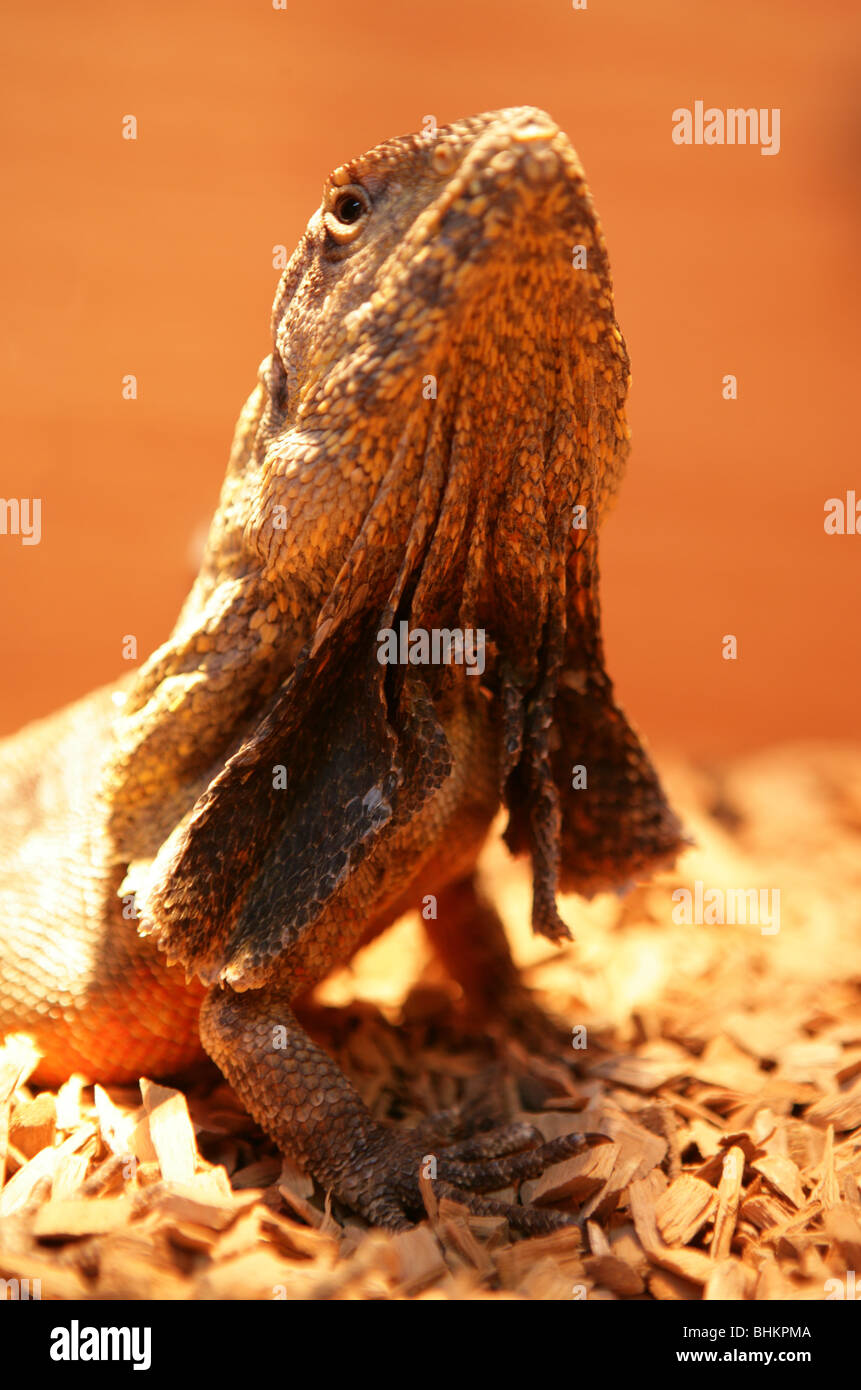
[154, 257]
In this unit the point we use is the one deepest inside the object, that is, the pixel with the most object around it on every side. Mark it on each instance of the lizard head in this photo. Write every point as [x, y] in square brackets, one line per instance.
[446, 322]
[435, 437]
[465, 236]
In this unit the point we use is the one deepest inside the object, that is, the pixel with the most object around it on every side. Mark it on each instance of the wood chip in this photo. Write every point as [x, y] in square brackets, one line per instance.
[843, 1227]
[573, 1179]
[417, 1259]
[729, 1280]
[684, 1208]
[545, 1281]
[672, 1288]
[656, 1065]
[842, 1109]
[19, 1188]
[34, 1124]
[563, 1247]
[614, 1274]
[68, 1102]
[729, 1191]
[171, 1131]
[182, 1203]
[782, 1174]
[66, 1220]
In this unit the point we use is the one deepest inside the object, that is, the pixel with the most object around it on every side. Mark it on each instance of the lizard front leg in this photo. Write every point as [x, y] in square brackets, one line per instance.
[302, 1099]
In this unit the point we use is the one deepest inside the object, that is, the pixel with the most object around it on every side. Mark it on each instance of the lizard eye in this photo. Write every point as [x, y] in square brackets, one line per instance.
[348, 208]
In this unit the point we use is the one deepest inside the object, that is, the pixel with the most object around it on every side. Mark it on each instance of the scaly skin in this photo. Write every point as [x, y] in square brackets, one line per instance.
[444, 388]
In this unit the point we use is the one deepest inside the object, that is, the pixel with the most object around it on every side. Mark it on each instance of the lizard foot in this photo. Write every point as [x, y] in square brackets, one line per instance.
[523, 1018]
[301, 1098]
[470, 940]
[388, 1183]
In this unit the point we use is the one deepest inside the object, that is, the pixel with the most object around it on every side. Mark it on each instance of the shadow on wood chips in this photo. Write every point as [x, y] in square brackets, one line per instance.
[722, 1058]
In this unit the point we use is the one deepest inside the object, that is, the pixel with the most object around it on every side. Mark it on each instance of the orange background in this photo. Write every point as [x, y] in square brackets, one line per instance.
[154, 258]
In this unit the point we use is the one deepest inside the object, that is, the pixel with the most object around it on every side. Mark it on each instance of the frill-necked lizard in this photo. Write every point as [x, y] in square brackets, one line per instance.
[433, 441]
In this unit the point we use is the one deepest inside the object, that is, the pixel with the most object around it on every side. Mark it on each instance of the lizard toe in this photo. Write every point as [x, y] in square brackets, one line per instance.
[494, 1143]
[489, 1174]
[391, 1194]
[534, 1221]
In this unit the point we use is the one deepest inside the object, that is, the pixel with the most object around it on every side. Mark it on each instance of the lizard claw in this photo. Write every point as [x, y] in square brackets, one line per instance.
[386, 1186]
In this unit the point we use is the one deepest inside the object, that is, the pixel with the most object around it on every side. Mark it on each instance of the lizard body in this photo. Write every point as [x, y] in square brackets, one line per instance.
[444, 389]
